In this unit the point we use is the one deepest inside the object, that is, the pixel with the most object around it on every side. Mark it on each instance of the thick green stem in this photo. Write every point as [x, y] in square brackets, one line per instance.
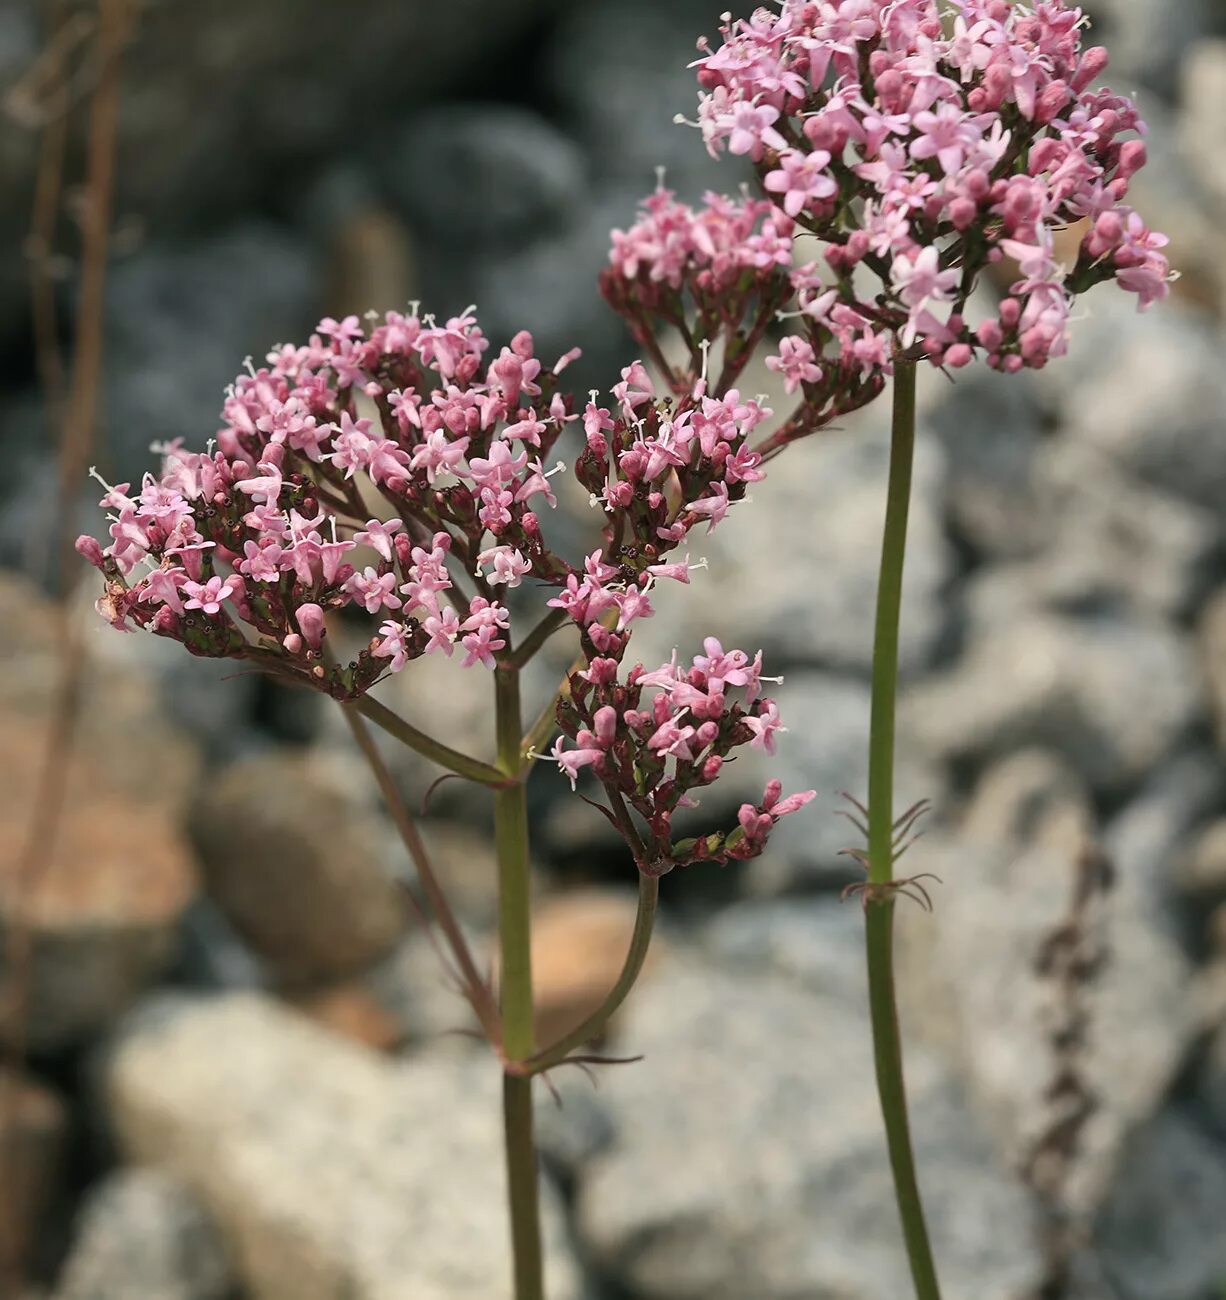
[640, 941]
[879, 900]
[515, 989]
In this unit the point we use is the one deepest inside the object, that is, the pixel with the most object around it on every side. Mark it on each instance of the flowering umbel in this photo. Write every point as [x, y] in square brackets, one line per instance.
[243, 551]
[921, 144]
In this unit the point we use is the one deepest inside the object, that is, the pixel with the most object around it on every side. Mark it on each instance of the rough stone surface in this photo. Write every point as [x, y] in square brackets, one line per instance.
[1008, 874]
[33, 1133]
[1147, 391]
[327, 1168]
[1111, 693]
[1108, 543]
[699, 1197]
[142, 1233]
[1160, 1233]
[818, 943]
[297, 868]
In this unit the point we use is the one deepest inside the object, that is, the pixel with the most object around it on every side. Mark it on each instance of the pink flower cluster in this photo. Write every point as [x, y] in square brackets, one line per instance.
[649, 754]
[921, 147]
[398, 476]
[241, 550]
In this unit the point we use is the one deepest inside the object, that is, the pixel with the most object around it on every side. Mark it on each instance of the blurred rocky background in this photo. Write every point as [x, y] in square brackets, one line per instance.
[242, 1078]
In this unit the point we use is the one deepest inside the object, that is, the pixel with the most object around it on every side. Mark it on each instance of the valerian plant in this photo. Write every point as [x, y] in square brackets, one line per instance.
[399, 475]
[920, 145]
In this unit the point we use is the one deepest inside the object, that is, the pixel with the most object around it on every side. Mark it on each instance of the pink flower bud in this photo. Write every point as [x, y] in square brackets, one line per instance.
[89, 549]
[310, 619]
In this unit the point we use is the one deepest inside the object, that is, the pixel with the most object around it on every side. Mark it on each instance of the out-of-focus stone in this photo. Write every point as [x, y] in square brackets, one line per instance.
[1008, 879]
[1160, 1233]
[1148, 391]
[722, 1181]
[143, 1233]
[329, 1169]
[99, 901]
[579, 944]
[180, 319]
[351, 1011]
[1108, 543]
[1147, 45]
[156, 764]
[1113, 694]
[33, 1129]
[485, 175]
[297, 868]
[1213, 656]
[1202, 125]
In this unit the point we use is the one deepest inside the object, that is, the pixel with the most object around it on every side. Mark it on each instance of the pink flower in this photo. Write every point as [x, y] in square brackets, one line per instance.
[796, 362]
[801, 178]
[207, 597]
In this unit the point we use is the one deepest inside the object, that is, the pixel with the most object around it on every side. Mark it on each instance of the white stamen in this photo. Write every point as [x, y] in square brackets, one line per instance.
[557, 469]
[705, 345]
[249, 366]
[660, 177]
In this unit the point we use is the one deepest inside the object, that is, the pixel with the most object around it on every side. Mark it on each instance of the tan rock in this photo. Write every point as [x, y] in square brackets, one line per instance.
[579, 944]
[297, 868]
[352, 1012]
[330, 1170]
[31, 1151]
[1203, 871]
[101, 897]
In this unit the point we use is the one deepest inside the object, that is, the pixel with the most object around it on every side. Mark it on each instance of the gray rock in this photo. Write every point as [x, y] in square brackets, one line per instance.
[281, 100]
[1160, 1233]
[179, 321]
[1147, 840]
[297, 868]
[142, 1233]
[1146, 389]
[1147, 46]
[329, 1169]
[470, 175]
[1113, 694]
[1109, 543]
[989, 425]
[1202, 134]
[818, 943]
[1007, 878]
[749, 1160]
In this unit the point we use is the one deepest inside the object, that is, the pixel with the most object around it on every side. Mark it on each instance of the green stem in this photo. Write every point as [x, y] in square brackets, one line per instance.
[522, 1186]
[515, 989]
[640, 940]
[879, 943]
[427, 746]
